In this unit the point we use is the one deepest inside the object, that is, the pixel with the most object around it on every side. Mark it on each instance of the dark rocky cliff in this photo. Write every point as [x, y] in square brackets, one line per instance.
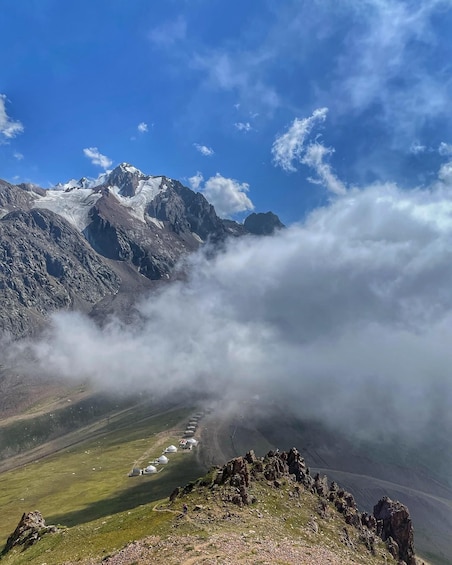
[46, 265]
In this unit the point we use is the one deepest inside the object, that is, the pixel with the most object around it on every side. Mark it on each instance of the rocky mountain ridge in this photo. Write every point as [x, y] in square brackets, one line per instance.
[88, 240]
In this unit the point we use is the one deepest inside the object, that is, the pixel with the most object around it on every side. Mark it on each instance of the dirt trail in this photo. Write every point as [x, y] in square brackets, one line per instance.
[162, 436]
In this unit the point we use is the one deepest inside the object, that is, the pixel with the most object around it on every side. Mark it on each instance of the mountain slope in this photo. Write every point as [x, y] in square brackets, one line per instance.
[87, 243]
[44, 266]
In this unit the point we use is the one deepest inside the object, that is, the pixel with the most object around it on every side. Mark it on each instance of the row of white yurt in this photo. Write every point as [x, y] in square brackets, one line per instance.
[150, 469]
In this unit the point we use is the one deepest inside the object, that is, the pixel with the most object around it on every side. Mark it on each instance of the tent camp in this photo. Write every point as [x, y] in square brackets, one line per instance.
[171, 449]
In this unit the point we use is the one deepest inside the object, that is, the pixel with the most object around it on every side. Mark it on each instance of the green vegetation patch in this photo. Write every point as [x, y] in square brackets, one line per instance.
[89, 481]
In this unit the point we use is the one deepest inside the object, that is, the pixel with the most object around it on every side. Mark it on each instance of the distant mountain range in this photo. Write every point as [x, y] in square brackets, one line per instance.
[93, 244]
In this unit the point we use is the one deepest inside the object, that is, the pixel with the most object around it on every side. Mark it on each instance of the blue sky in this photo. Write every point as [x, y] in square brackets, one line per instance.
[280, 105]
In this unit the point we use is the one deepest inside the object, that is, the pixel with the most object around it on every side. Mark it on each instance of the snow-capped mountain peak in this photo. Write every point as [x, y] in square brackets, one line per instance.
[74, 199]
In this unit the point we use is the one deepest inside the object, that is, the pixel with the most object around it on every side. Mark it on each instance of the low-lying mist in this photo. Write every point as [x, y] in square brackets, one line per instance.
[346, 317]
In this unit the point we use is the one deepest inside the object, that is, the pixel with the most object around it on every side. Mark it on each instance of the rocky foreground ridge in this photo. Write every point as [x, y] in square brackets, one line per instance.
[85, 243]
[390, 520]
[261, 510]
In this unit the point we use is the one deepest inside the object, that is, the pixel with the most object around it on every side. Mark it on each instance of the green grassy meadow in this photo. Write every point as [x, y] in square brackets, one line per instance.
[89, 482]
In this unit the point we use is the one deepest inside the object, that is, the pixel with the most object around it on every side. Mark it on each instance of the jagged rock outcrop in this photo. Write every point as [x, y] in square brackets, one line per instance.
[262, 224]
[390, 521]
[30, 529]
[394, 525]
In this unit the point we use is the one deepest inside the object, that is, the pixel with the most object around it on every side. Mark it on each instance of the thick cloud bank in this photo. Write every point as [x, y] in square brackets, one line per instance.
[347, 316]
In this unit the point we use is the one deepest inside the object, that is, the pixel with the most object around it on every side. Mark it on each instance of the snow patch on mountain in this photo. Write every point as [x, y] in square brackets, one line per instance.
[84, 182]
[74, 205]
[146, 191]
[130, 169]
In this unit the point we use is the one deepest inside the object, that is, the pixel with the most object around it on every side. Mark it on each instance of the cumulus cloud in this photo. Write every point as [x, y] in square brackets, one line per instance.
[290, 146]
[445, 173]
[142, 127]
[9, 128]
[228, 196]
[345, 317]
[196, 180]
[97, 158]
[243, 126]
[204, 150]
[445, 149]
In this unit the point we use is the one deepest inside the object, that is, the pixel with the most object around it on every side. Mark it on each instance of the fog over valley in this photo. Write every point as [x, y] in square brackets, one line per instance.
[345, 317]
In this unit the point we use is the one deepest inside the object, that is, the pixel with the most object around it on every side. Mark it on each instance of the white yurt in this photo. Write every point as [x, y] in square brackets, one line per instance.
[189, 433]
[171, 449]
[150, 469]
[192, 441]
[163, 460]
[191, 427]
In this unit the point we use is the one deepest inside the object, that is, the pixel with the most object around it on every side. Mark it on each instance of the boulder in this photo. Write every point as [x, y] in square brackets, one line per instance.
[30, 529]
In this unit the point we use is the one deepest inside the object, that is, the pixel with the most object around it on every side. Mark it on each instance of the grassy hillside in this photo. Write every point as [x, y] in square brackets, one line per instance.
[281, 526]
[83, 486]
[89, 481]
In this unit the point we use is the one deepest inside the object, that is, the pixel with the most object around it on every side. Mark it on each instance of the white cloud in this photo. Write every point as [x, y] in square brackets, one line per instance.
[97, 158]
[445, 149]
[243, 126]
[18, 156]
[445, 173]
[344, 317]
[314, 157]
[8, 128]
[289, 146]
[169, 33]
[196, 180]
[228, 196]
[386, 64]
[142, 127]
[204, 150]
[417, 148]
